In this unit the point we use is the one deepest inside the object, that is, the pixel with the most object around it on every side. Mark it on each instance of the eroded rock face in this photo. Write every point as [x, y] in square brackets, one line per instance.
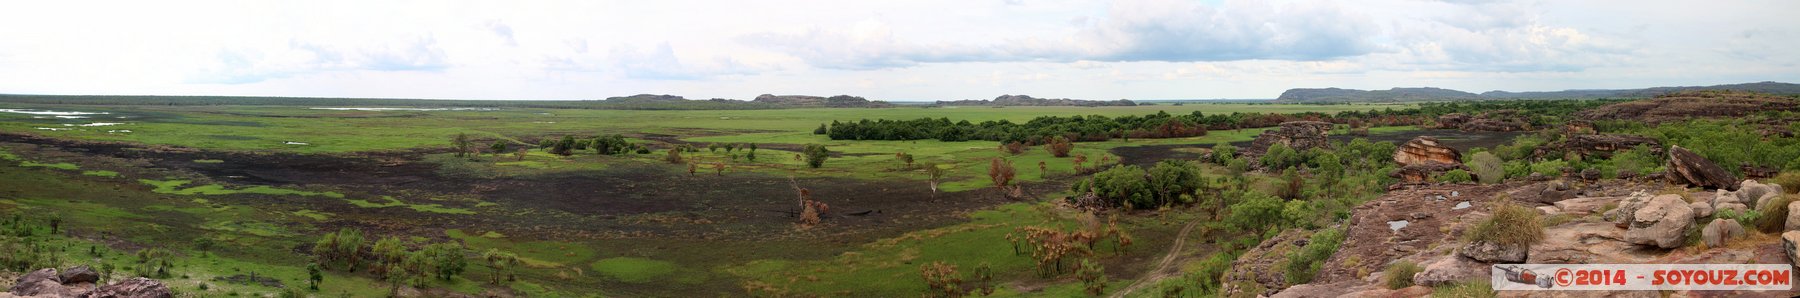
[43, 282]
[132, 288]
[1257, 266]
[1720, 231]
[1686, 167]
[1662, 222]
[1369, 242]
[1689, 105]
[1425, 149]
[1489, 252]
[1300, 135]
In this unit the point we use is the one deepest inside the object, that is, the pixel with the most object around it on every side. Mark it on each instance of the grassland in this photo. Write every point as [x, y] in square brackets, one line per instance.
[121, 204]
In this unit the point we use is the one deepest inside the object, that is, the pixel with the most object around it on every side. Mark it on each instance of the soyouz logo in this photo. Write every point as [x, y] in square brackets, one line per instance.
[1703, 277]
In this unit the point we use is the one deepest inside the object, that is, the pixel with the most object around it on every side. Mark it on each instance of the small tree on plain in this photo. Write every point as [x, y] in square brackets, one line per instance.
[1001, 172]
[1059, 146]
[674, 156]
[461, 143]
[816, 155]
[933, 173]
[498, 147]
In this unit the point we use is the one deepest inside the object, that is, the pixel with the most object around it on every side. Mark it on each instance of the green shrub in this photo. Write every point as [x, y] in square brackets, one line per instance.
[1124, 184]
[1303, 263]
[1400, 275]
[1551, 168]
[1487, 167]
[1774, 215]
[1455, 176]
[1510, 224]
[1789, 181]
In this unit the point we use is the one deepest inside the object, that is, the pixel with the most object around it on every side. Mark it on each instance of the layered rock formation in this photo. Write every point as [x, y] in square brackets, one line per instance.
[1423, 157]
[839, 101]
[1689, 105]
[1686, 167]
[1597, 145]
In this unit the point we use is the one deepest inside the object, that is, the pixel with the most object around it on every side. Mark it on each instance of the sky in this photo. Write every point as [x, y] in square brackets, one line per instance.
[883, 50]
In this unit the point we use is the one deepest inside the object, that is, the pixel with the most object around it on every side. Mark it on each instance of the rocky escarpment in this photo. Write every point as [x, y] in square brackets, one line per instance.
[1299, 135]
[1497, 121]
[1027, 100]
[1597, 145]
[1690, 105]
[79, 282]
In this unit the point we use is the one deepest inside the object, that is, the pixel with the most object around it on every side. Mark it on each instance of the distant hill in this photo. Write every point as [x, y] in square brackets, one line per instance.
[1027, 100]
[839, 101]
[1336, 95]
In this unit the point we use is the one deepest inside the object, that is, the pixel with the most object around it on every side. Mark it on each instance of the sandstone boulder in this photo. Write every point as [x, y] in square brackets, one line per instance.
[79, 274]
[1488, 252]
[42, 283]
[132, 288]
[1756, 194]
[1701, 209]
[1793, 218]
[1450, 269]
[1662, 222]
[1424, 150]
[1788, 241]
[1686, 167]
[1720, 231]
[1628, 207]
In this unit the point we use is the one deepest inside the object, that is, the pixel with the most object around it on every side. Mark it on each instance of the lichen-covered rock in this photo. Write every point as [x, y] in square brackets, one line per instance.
[1662, 222]
[1720, 231]
[1489, 252]
[1686, 167]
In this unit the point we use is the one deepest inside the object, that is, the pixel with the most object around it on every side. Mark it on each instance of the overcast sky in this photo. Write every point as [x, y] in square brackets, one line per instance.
[885, 50]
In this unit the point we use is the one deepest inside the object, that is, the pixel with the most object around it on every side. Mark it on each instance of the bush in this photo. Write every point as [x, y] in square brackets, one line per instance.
[1258, 211]
[1169, 179]
[1487, 167]
[1400, 275]
[1454, 176]
[1223, 153]
[816, 155]
[1550, 168]
[1511, 224]
[1303, 264]
[1775, 214]
[1789, 181]
[1059, 147]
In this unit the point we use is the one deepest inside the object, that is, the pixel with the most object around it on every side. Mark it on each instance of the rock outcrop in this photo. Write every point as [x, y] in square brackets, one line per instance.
[1720, 231]
[1449, 269]
[839, 101]
[1689, 105]
[1432, 221]
[79, 282]
[132, 288]
[1751, 193]
[1600, 145]
[1424, 157]
[1027, 100]
[1793, 218]
[1687, 168]
[1426, 149]
[1300, 135]
[1256, 272]
[1662, 222]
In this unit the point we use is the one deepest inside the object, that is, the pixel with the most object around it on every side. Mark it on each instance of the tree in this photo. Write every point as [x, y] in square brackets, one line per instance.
[565, 147]
[816, 155]
[932, 174]
[1123, 185]
[904, 158]
[388, 251]
[461, 143]
[821, 130]
[520, 155]
[1001, 172]
[1280, 156]
[1293, 183]
[1169, 179]
[1255, 213]
[1487, 167]
[447, 259]
[1012, 148]
[1093, 277]
[1059, 146]
[500, 263]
